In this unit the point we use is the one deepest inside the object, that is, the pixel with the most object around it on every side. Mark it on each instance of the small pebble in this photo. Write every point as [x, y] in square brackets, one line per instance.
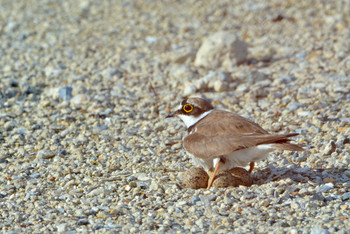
[45, 154]
[65, 93]
[330, 148]
[325, 188]
[346, 196]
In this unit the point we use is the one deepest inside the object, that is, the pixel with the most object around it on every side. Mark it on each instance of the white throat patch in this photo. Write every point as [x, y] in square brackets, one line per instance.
[190, 120]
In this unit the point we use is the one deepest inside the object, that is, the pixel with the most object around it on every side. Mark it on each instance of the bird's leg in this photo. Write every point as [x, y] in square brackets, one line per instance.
[251, 167]
[217, 166]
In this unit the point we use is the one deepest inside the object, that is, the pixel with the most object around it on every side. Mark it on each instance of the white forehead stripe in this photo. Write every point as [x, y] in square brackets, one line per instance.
[190, 120]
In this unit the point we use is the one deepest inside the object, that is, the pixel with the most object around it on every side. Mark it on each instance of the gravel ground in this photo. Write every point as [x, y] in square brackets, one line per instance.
[85, 87]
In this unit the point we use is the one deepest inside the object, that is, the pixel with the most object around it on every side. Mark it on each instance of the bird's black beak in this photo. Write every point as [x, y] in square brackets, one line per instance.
[174, 114]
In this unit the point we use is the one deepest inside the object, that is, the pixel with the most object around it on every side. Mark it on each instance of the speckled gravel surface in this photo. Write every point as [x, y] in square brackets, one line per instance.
[85, 87]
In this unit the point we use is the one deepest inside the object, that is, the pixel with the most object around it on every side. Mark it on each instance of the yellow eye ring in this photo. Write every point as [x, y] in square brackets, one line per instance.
[188, 108]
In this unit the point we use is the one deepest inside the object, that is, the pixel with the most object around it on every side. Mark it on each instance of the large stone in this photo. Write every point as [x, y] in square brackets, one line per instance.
[222, 49]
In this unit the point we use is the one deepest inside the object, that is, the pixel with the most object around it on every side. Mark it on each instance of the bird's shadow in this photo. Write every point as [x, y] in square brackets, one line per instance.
[297, 174]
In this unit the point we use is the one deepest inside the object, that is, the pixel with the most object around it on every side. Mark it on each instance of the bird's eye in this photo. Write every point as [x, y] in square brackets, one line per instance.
[188, 108]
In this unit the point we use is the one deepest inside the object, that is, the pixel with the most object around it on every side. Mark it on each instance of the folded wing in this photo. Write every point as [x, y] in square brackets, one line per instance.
[203, 146]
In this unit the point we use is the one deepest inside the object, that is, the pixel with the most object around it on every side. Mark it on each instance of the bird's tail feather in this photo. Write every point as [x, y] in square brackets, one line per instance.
[288, 146]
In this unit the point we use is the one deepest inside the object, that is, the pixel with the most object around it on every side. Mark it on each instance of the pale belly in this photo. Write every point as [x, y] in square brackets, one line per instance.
[239, 158]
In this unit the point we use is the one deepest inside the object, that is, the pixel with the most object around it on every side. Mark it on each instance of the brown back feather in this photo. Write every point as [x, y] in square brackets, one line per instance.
[223, 122]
